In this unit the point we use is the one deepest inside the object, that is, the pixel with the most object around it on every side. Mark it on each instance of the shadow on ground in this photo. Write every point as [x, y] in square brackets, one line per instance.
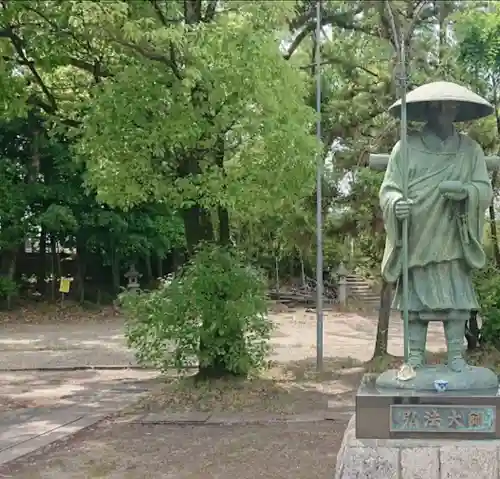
[88, 388]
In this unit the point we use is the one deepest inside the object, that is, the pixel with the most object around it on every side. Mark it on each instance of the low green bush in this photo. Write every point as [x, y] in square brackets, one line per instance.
[487, 284]
[212, 314]
[8, 289]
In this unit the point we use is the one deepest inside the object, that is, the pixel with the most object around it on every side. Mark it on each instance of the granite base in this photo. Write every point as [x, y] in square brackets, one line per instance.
[416, 458]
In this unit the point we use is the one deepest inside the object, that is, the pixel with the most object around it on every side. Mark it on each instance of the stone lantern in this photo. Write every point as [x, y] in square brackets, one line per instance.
[132, 276]
[342, 276]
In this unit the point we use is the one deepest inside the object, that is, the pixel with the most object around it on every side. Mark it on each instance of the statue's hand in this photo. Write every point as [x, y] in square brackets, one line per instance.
[402, 209]
[453, 190]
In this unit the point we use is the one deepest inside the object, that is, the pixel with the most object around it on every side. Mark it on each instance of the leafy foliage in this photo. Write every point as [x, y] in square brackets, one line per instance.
[212, 314]
[134, 131]
[487, 284]
[8, 288]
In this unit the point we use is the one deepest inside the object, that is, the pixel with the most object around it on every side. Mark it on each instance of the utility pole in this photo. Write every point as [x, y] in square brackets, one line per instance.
[319, 199]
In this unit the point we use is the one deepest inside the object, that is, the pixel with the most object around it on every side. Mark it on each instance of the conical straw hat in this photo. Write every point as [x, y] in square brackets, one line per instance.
[470, 105]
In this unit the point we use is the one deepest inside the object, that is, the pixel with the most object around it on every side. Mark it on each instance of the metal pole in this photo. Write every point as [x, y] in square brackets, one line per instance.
[400, 44]
[404, 160]
[319, 193]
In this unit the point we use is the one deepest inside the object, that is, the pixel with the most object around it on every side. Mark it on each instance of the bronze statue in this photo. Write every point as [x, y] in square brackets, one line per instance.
[448, 193]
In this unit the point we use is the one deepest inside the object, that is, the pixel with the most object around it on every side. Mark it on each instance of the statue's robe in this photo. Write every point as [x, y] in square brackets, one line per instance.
[445, 236]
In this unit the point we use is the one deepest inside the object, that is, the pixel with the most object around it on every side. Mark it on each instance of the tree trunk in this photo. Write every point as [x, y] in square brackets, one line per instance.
[277, 276]
[149, 269]
[179, 257]
[302, 270]
[224, 230]
[444, 10]
[223, 213]
[494, 179]
[159, 266]
[8, 270]
[41, 285]
[10, 275]
[493, 223]
[115, 270]
[197, 227]
[56, 266]
[472, 332]
[33, 172]
[81, 270]
[382, 338]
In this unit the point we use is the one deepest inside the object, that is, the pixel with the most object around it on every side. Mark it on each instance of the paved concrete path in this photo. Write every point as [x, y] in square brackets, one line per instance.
[102, 343]
[71, 404]
[64, 345]
[63, 388]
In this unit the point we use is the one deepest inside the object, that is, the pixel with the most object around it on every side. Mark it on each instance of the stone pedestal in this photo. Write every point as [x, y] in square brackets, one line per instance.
[416, 458]
[471, 379]
[411, 434]
[383, 413]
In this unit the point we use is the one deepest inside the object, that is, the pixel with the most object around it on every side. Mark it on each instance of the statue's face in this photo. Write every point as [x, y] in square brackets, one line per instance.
[442, 113]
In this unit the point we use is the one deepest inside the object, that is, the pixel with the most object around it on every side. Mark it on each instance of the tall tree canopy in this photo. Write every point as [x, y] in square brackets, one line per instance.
[134, 130]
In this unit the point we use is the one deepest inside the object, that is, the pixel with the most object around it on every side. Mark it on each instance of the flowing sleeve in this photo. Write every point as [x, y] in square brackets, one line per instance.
[390, 192]
[480, 195]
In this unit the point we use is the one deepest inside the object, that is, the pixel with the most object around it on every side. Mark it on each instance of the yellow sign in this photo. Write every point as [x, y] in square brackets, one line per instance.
[64, 285]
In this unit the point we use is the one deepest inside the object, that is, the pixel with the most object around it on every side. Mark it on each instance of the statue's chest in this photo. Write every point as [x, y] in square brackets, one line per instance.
[445, 166]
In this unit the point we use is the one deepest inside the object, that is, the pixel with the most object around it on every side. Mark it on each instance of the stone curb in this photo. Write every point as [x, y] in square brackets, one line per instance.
[239, 419]
[75, 422]
[78, 368]
[58, 433]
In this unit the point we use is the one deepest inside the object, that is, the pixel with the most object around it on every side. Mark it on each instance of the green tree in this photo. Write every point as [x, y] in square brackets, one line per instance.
[201, 112]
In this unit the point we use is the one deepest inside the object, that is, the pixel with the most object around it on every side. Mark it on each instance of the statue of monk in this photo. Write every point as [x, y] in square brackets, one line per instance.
[448, 193]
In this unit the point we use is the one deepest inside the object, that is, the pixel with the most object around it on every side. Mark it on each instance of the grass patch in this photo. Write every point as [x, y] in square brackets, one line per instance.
[282, 389]
[486, 357]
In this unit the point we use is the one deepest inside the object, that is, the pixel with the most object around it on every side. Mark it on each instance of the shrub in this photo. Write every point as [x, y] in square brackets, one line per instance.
[487, 284]
[213, 314]
[8, 289]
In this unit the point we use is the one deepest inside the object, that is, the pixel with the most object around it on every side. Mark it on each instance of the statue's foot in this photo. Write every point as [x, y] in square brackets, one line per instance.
[406, 373]
[457, 364]
[416, 361]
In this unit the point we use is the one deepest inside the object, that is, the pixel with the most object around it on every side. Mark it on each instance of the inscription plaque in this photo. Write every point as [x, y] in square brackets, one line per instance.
[442, 418]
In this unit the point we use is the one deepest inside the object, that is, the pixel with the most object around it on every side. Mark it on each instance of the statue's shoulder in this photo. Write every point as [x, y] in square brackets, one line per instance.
[414, 139]
[468, 143]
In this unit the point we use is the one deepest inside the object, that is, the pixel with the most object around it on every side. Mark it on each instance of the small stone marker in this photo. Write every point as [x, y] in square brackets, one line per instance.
[342, 274]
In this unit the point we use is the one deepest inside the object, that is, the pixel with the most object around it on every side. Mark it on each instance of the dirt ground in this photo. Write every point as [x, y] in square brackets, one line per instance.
[53, 339]
[126, 451]
[293, 388]
[70, 337]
